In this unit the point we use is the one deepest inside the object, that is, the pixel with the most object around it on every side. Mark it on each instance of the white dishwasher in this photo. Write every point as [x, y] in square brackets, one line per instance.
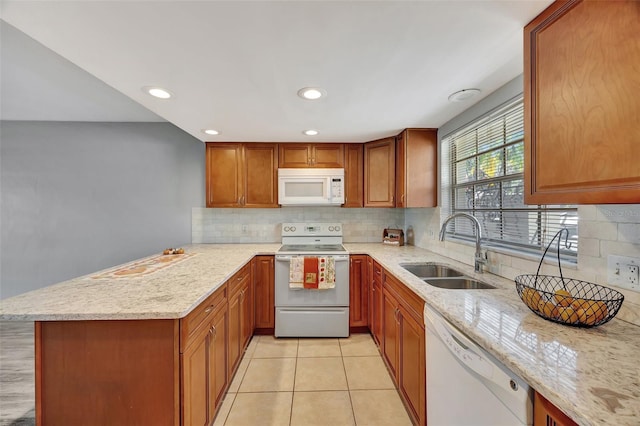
[466, 386]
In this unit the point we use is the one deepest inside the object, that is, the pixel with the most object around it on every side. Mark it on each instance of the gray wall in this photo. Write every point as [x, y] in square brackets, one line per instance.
[80, 197]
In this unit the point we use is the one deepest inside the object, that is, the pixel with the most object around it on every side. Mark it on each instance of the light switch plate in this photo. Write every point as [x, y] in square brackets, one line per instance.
[624, 272]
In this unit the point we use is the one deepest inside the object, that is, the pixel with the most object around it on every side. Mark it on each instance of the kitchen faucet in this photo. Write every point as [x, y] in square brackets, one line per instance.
[480, 257]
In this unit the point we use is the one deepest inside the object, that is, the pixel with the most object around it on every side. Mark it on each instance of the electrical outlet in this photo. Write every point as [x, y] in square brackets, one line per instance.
[245, 229]
[624, 272]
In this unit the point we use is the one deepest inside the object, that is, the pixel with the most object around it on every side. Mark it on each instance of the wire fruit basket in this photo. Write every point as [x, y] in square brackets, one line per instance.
[565, 300]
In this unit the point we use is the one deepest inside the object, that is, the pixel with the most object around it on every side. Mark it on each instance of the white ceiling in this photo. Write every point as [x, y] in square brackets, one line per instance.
[236, 66]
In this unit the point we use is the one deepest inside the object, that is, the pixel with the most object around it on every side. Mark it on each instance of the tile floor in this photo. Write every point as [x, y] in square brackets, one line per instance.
[312, 382]
[328, 382]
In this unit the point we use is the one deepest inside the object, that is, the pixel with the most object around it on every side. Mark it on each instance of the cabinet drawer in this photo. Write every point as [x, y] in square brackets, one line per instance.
[201, 316]
[412, 302]
[235, 283]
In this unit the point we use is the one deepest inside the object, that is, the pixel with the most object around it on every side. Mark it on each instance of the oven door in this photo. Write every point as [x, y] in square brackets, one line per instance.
[287, 297]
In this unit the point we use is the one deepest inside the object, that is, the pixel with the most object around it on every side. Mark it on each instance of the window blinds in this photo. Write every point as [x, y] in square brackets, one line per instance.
[483, 175]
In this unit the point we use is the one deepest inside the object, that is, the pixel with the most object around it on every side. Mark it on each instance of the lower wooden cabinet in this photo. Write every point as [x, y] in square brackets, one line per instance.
[358, 292]
[264, 298]
[547, 414]
[404, 345]
[203, 363]
[240, 307]
[375, 300]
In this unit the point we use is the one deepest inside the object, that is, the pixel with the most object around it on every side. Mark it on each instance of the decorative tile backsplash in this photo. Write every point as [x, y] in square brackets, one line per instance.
[263, 225]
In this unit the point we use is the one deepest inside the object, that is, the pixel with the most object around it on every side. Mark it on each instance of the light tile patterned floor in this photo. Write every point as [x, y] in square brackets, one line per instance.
[307, 382]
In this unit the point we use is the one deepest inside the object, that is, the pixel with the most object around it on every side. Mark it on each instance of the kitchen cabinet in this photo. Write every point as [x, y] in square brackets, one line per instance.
[404, 345]
[582, 140]
[295, 155]
[263, 280]
[240, 314]
[417, 168]
[375, 300]
[204, 360]
[379, 173]
[545, 413]
[358, 293]
[353, 175]
[241, 174]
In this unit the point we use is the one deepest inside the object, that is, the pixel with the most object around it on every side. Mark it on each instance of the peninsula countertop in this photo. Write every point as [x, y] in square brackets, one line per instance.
[590, 374]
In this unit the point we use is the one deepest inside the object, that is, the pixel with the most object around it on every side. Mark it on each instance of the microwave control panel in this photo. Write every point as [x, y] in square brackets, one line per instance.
[337, 187]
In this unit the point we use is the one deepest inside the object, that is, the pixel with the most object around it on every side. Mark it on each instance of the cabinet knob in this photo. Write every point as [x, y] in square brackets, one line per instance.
[206, 311]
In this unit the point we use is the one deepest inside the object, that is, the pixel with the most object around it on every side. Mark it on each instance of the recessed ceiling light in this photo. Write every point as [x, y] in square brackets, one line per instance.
[211, 132]
[463, 95]
[311, 93]
[157, 92]
[311, 132]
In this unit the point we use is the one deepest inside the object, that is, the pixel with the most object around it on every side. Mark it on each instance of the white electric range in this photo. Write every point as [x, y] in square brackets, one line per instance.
[312, 312]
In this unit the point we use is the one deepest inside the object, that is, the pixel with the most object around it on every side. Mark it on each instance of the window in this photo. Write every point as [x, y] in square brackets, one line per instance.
[483, 175]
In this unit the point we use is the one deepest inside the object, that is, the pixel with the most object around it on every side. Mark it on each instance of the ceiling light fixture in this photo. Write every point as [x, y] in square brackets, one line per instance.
[463, 95]
[311, 93]
[311, 132]
[157, 92]
[211, 132]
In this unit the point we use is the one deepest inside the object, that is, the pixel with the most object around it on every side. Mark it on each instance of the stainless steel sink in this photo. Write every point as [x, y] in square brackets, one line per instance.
[458, 283]
[430, 270]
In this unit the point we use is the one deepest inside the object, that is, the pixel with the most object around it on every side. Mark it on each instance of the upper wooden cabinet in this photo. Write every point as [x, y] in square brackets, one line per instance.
[379, 173]
[417, 168]
[295, 155]
[353, 175]
[241, 174]
[582, 109]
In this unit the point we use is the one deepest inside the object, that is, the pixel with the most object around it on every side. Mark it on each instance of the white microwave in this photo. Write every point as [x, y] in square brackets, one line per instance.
[310, 187]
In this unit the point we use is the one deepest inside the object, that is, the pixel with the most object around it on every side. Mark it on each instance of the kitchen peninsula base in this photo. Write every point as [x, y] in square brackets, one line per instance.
[107, 372]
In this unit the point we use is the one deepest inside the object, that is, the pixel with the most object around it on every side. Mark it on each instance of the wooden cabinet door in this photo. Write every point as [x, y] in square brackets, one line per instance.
[329, 155]
[246, 313]
[376, 304]
[417, 168]
[353, 175]
[224, 174]
[411, 374]
[218, 374]
[582, 140]
[234, 332]
[545, 413]
[261, 175]
[264, 292]
[358, 291]
[379, 173]
[294, 155]
[195, 383]
[390, 332]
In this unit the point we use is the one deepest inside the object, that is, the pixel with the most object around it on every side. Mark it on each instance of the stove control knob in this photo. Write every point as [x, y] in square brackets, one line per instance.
[337, 228]
[287, 229]
[293, 229]
[331, 229]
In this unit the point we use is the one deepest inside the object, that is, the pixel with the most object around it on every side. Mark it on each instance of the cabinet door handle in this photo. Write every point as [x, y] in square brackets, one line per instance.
[214, 332]
[239, 200]
[242, 198]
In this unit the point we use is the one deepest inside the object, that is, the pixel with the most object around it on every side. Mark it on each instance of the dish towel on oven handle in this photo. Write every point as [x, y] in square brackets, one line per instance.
[326, 273]
[296, 272]
[311, 271]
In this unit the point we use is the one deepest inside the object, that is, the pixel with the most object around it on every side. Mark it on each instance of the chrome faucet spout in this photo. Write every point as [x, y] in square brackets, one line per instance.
[480, 258]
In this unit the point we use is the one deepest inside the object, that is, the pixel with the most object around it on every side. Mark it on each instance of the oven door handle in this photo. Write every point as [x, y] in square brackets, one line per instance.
[337, 258]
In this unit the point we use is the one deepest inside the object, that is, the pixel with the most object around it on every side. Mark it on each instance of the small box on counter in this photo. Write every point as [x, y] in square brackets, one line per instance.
[393, 237]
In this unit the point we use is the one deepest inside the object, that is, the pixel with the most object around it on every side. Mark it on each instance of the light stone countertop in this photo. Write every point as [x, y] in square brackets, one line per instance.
[590, 374]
